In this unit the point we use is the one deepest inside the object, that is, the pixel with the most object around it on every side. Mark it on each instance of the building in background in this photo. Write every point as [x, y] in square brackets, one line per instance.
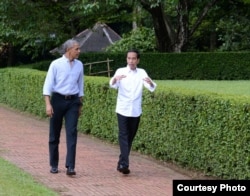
[93, 40]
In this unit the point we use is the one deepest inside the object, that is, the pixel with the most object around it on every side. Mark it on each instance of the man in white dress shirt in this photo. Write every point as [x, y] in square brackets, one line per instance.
[129, 81]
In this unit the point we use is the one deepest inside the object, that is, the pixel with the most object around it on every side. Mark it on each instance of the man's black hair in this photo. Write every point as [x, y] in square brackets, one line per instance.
[135, 51]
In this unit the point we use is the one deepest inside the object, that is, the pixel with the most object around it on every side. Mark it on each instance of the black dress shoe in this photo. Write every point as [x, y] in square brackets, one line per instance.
[54, 170]
[122, 169]
[70, 171]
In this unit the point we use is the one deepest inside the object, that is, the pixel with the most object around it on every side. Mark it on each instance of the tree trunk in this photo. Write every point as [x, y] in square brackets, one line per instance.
[167, 39]
[163, 32]
[182, 30]
[172, 38]
[213, 41]
[10, 55]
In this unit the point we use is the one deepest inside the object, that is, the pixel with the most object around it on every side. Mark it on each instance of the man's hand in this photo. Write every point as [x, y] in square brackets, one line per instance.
[149, 81]
[80, 111]
[49, 110]
[117, 78]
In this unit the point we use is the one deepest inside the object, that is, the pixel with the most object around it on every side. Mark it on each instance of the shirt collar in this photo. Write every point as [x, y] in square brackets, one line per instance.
[130, 70]
[67, 59]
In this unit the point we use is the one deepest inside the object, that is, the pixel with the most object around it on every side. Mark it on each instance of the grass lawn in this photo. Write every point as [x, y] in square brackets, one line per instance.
[232, 87]
[14, 181]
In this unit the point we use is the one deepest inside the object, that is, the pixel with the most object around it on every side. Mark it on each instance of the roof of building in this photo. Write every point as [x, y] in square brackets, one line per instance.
[93, 40]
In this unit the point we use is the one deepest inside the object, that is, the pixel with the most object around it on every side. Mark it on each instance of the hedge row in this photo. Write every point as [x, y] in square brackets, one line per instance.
[185, 66]
[206, 132]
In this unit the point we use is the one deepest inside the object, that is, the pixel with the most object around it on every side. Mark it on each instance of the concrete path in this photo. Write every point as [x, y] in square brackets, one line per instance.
[24, 142]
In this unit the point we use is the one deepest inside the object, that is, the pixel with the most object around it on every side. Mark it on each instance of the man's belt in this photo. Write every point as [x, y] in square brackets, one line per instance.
[67, 97]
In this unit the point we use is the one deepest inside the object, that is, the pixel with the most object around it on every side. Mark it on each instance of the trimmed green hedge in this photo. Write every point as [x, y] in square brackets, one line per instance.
[185, 66]
[201, 131]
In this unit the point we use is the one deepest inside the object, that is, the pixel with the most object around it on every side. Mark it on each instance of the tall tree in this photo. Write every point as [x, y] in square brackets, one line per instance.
[173, 35]
[171, 18]
[33, 26]
[36, 26]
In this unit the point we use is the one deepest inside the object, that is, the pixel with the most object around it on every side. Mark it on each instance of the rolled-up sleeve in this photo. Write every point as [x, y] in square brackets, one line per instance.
[48, 84]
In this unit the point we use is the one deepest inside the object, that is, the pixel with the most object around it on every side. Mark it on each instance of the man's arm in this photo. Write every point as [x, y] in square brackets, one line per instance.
[49, 109]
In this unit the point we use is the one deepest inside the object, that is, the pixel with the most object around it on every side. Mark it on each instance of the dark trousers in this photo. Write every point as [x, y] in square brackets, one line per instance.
[67, 109]
[128, 127]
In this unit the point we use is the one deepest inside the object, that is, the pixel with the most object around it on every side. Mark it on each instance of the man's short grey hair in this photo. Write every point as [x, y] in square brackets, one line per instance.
[69, 44]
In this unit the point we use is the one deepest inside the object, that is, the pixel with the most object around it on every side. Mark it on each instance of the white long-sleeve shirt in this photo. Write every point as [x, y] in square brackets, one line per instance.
[129, 99]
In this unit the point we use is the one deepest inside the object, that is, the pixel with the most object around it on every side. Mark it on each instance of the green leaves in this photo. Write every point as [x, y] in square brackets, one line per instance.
[142, 38]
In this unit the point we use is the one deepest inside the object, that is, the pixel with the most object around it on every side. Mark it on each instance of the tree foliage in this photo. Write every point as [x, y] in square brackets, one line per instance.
[176, 23]
[142, 38]
[35, 27]
[171, 19]
[233, 30]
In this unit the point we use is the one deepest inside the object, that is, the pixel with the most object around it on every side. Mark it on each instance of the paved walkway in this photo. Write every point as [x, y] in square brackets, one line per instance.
[24, 142]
